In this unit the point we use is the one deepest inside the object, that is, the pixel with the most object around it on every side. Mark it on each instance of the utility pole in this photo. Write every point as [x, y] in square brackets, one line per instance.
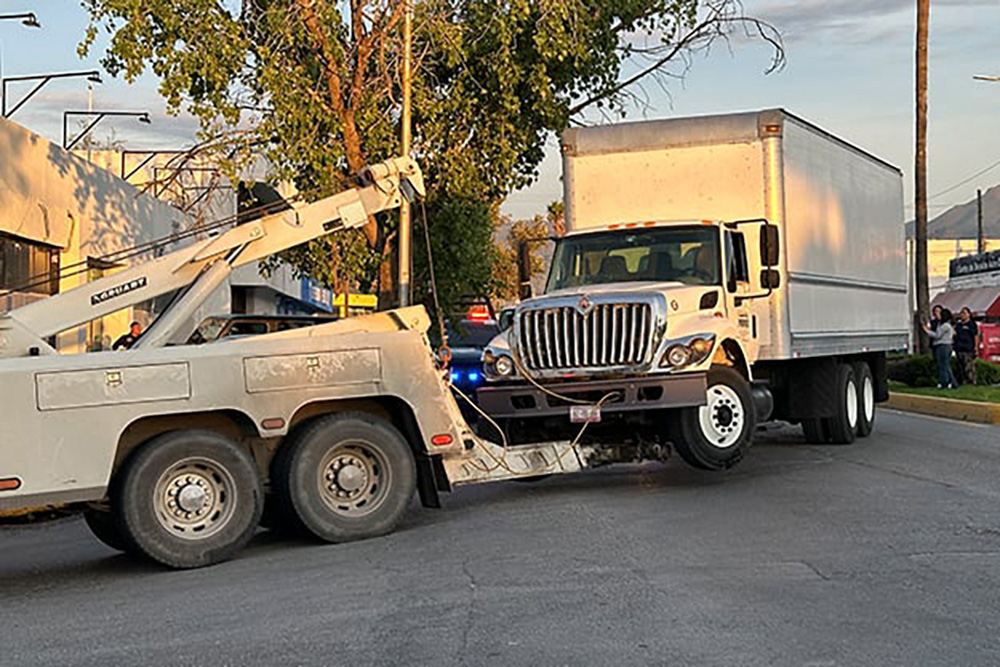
[920, 175]
[981, 245]
[405, 223]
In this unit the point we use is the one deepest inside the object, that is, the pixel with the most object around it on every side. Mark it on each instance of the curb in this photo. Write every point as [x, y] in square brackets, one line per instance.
[949, 408]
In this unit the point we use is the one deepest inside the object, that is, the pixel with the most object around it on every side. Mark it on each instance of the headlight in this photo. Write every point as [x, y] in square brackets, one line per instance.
[678, 355]
[504, 366]
[687, 351]
[700, 347]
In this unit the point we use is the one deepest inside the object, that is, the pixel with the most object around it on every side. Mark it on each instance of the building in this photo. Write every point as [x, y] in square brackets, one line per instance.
[69, 217]
[61, 217]
[974, 283]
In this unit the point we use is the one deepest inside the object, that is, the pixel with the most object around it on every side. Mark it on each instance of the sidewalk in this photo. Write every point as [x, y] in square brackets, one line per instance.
[950, 408]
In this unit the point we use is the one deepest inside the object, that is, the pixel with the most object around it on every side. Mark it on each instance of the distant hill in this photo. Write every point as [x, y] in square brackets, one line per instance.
[959, 222]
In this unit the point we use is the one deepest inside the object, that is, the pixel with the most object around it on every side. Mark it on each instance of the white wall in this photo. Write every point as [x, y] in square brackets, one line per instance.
[49, 195]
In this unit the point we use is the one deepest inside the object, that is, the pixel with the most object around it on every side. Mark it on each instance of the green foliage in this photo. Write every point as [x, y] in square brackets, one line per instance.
[987, 373]
[462, 248]
[919, 370]
[492, 81]
[963, 393]
[916, 370]
[510, 234]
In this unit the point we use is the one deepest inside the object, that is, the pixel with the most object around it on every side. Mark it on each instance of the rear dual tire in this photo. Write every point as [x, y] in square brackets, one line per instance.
[854, 408]
[183, 499]
[344, 477]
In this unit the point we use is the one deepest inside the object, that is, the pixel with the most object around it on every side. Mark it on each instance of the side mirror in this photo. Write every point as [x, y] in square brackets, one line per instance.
[769, 245]
[506, 319]
[770, 279]
[523, 271]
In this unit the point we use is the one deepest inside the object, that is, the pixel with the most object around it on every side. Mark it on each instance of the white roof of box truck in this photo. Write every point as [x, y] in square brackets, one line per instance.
[740, 127]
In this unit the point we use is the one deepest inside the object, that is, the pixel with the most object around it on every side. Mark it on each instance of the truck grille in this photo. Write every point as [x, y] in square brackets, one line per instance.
[563, 338]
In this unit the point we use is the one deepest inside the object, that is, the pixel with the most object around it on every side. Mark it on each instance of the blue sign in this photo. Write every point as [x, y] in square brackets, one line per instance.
[316, 295]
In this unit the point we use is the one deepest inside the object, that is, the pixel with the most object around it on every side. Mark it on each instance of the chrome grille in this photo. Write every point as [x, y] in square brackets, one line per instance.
[563, 338]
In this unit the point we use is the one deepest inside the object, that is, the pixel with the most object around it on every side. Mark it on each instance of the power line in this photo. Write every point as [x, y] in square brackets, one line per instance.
[961, 183]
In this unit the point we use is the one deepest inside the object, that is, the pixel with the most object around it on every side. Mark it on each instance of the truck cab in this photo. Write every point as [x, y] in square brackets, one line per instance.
[657, 317]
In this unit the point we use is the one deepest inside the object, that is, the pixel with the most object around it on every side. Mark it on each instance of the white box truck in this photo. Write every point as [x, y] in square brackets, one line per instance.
[716, 271]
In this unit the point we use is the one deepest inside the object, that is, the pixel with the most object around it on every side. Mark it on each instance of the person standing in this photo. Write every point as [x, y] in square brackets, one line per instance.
[935, 317]
[966, 338]
[941, 341]
[126, 341]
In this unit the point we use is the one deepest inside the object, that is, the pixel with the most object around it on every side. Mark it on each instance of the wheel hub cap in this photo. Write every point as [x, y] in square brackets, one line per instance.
[724, 415]
[351, 477]
[722, 418]
[192, 497]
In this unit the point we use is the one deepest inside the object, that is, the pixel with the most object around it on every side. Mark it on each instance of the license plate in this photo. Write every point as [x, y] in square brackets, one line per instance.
[582, 414]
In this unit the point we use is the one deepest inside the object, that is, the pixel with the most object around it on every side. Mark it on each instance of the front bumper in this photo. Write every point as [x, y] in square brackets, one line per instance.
[523, 400]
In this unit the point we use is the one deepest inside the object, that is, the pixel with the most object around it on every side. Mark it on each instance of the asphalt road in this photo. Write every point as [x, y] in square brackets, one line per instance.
[886, 552]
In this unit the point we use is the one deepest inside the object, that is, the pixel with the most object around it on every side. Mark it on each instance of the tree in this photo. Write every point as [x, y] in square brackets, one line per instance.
[920, 178]
[492, 80]
[534, 232]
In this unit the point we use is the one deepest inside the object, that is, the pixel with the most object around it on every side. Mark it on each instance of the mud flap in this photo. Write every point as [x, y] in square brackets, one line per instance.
[431, 478]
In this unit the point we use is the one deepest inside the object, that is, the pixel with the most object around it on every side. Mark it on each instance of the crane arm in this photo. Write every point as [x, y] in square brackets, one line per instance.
[204, 265]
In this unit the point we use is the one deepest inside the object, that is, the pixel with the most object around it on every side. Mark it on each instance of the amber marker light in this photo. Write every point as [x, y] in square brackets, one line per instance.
[10, 483]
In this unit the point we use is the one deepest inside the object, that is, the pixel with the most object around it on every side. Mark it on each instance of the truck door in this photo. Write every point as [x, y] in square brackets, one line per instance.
[738, 289]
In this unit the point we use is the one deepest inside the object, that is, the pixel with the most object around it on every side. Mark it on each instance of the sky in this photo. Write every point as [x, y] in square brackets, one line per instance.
[850, 69]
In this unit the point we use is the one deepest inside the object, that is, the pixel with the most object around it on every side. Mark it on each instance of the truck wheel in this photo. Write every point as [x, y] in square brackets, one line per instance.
[866, 399]
[188, 498]
[816, 430]
[844, 423]
[715, 436]
[345, 477]
[104, 528]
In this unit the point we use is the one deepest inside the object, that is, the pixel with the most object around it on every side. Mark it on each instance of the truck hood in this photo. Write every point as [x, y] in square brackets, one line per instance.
[613, 288]
[687, 297]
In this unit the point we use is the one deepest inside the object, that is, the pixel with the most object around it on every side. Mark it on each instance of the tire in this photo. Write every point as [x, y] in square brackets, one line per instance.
[866, 399]
[816, 431]
[103, 526]
[188, 499]
[717, 435]
[345, 477]
[844, 423]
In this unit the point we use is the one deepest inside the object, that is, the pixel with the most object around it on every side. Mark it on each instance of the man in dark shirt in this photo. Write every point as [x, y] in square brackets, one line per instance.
[966, 339]
[128, 340]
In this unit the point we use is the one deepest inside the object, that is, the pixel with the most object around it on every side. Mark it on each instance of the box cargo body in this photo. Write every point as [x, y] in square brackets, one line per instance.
[839, 210]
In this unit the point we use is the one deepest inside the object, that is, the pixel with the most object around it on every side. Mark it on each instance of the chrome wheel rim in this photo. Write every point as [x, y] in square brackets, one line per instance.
[722, 417]
[353, 478]
[195, 498]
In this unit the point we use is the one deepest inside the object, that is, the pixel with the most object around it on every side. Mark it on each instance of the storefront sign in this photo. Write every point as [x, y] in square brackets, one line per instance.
[973, 264]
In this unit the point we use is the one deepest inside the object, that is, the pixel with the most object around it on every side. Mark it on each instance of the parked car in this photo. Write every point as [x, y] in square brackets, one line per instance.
[218, 327]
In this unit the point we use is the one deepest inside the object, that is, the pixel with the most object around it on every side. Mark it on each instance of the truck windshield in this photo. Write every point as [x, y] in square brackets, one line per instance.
[688, 254]
[207, 331]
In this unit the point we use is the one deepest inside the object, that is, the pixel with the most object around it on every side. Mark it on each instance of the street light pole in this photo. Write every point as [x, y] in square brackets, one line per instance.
[142, 116]
[93, 76]
[27, 18]
[405, 222]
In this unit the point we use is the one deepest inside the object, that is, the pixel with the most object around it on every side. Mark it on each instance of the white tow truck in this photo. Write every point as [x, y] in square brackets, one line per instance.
[716, 271]
[173, 450]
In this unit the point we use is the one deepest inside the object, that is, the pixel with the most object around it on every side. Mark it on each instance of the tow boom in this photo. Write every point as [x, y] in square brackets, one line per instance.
[204, 265]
